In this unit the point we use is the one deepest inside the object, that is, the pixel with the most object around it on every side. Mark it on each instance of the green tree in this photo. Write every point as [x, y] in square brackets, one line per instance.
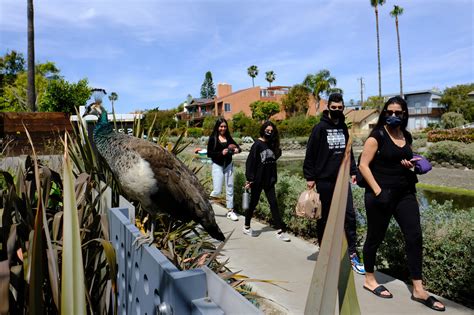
[62, 96]
[263, 110]
[321, 83]
[252, 71]
[373, 102]
[164, 120]
[456, 99]
[270, 77]
[112, 98]
[245, 125]
[376, 4]
[11, 65]
[396, 12]
[296, 101]
[14, 95]
[452, 120]
[31, 91]
[207, 88]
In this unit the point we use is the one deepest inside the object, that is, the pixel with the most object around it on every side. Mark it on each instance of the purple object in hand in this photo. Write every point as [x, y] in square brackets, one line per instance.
[422, 166]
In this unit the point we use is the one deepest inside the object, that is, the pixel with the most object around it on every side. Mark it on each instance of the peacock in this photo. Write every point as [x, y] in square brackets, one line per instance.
[152, 175]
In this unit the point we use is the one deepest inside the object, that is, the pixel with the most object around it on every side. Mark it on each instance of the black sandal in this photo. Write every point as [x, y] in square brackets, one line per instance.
[430, 302]
[378, 292]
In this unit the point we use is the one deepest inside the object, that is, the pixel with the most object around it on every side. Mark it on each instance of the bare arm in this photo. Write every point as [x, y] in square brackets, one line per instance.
[370, 149]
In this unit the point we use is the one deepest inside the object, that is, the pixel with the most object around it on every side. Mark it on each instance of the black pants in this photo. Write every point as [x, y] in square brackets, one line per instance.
[326, 190]
[402, 205]
[271, 197]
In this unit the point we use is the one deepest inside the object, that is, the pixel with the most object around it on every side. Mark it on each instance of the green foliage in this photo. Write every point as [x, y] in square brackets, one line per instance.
[62, 96]
[163, 120]
[207, 88]
[263, 110]
[14, 95]
[195, 132]
[461, 135]
[208, 125]
[456, 99]
[270, 77]
[452, 120]
[11, 65]
[245, 125]
[297, 126]
[373, 102]
[321, 83]
[452, 151]
[296, 101]
[252, 71]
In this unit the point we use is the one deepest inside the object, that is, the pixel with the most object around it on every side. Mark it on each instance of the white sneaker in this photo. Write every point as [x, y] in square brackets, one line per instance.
[249, 232]
[232, 216]
[283, 237]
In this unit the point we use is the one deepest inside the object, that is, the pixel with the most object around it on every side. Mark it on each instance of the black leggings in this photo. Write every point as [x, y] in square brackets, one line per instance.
[402, 205]
[326, 190]
[271, 197]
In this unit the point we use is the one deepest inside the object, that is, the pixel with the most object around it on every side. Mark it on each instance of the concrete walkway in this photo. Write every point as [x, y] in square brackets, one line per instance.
[292, 265]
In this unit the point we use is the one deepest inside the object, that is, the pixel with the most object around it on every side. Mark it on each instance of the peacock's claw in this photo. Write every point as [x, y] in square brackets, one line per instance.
[145, 239]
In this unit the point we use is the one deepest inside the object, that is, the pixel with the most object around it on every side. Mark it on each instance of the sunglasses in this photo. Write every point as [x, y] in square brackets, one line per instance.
[341, 107]
[397, 113]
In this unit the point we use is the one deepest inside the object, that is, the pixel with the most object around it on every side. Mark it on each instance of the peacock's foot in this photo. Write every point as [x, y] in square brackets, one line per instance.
[145, 239]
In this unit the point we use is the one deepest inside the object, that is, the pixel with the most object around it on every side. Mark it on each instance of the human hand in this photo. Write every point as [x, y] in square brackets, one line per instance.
[378, 192]
[310, 184]
[247, 185]
[353, 179]
[225, 151]
[408, 164]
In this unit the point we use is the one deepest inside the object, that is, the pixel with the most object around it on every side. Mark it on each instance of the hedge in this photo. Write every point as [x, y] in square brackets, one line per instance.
[452, 152]
[461, 135]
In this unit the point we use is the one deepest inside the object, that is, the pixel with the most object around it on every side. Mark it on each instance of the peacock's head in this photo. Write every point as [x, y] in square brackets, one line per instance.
[95, 109]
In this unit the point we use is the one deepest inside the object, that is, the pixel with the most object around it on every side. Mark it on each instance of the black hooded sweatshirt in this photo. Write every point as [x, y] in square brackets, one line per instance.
[325, 150]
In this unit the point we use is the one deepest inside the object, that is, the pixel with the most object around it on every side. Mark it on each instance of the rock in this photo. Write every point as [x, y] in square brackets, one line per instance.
[458, 165]
[444, 164]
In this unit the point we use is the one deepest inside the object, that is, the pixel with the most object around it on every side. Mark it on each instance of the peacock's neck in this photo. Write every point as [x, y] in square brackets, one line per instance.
[103, 127]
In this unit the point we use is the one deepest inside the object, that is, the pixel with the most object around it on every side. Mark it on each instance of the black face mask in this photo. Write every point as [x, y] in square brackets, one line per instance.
[336, 114]
[268, 134]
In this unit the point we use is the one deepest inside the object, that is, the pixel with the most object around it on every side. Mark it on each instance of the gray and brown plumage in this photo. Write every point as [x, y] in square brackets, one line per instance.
[152, 175]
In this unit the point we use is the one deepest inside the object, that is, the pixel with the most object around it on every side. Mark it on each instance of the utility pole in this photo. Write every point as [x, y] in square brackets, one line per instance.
[362, 85]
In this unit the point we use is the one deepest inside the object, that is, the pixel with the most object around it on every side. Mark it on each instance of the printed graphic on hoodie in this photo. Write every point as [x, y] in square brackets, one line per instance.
[336, 139]
[267, 156]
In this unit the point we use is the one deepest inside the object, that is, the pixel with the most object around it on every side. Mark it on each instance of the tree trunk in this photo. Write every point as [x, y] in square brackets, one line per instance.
[399, 56]
[253, 84]
[378, 50]
[31, 91]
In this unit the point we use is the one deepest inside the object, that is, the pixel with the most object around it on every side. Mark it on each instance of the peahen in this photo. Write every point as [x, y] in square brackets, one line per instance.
[152, 175]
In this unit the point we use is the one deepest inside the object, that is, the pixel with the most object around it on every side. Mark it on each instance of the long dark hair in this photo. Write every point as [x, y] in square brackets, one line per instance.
[274, 141]
[393, 100]
[215, 131]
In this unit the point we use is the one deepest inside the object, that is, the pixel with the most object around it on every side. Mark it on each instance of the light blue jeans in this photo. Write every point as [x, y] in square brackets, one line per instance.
[219, 174]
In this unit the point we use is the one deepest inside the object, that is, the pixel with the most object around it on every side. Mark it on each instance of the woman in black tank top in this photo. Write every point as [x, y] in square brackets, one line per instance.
[387, 166]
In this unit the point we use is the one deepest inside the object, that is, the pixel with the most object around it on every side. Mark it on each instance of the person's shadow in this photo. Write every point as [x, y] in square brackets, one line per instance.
[313, 257]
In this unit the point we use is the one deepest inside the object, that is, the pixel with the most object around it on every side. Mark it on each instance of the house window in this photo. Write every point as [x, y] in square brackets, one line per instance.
[227, 107]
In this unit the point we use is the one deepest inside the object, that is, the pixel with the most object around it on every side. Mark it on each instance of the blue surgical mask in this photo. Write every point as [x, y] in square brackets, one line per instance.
[393, 121]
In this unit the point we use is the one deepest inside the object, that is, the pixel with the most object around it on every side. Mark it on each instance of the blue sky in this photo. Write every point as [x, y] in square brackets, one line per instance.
[155, 53]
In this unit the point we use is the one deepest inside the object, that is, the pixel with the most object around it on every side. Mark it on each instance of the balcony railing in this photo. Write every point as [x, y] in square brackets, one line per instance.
[196, 116]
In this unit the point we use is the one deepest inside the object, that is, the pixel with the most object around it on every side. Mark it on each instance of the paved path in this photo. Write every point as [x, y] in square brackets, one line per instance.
[265, 257]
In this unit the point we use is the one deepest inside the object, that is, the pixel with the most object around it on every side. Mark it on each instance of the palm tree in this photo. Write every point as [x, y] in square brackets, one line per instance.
[321, 82]
[397, 10]
[375, 4]
[112, 98]
[270, 77]
[31, 92]
[252, 71]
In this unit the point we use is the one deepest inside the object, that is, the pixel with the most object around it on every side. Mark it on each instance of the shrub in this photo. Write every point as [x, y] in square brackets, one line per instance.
[452, 120]
[298, 126]
[194, 132]
[452, 151]
[461, 135]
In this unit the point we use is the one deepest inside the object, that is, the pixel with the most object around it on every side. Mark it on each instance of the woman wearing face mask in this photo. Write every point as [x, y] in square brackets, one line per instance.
[261, 174]
[387, 166]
